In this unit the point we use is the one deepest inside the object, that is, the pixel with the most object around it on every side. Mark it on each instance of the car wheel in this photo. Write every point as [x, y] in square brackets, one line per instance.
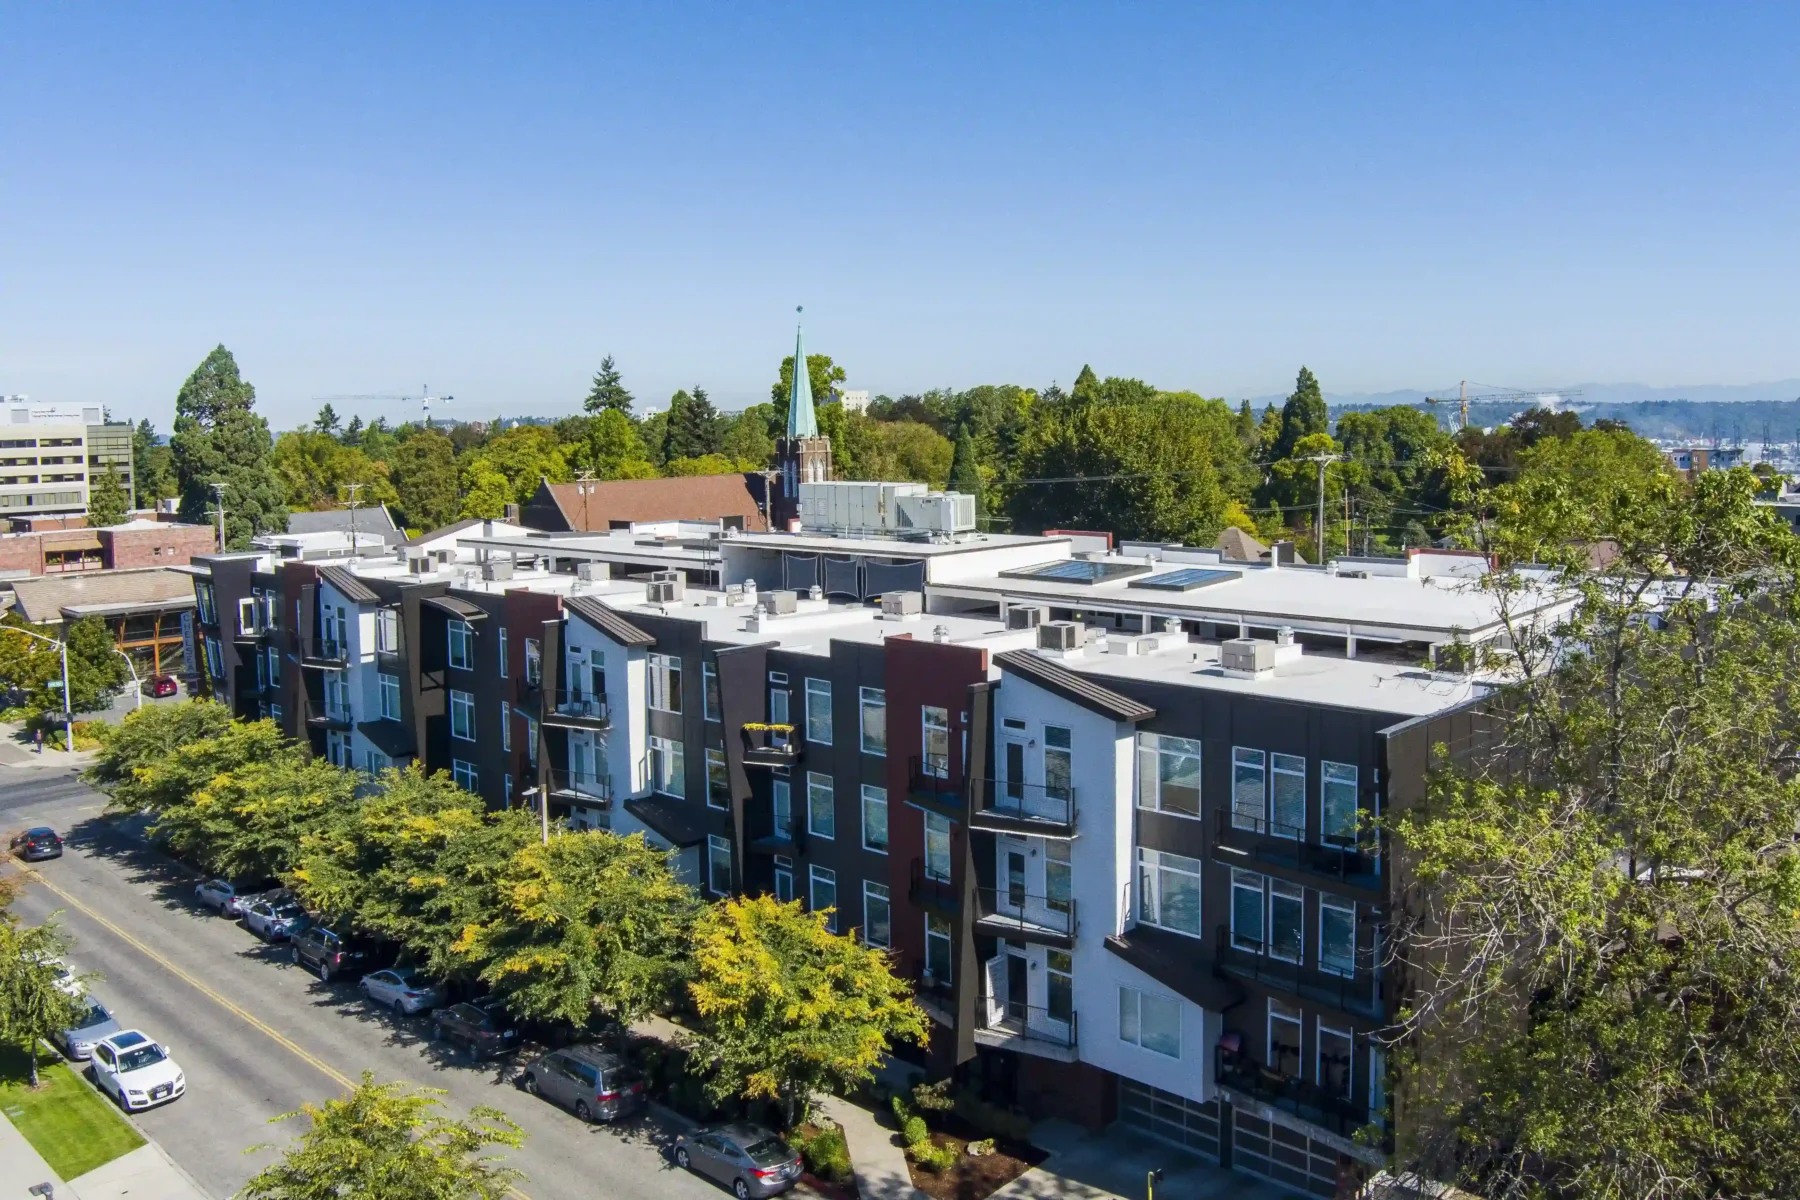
[437, 1032]
[529, 1083]
[324, 973]
[583, 1113]
[741, 1190]
[399, 1008]
[681, 1157]
[294, 955]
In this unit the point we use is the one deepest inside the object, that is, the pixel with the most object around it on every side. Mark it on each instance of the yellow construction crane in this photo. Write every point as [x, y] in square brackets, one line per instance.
[1464, 398]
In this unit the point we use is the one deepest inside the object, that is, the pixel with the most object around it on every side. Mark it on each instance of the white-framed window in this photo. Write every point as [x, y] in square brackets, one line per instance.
[1149, 1021]
[1169, 774]
[464, 775]
[668, 767]
[462, 716]
[1336, 1056]
[1284, 1039]
[505, 666]
[1249, 788]
[877, 915]
[781, 793]
[534, 661]
[1059, 879]
[937, 847]
[821, 806]
[388, 688]
[709, 694]
[1337, 936]
[718, 865]
[505, 726]
[778, 707]
[937, 949]
[1059, 985]
[506, 786]
[462, 645]
[872, 706]
[203, 603]
[262, 673]
[665, 682]
[1247, 911]
[874, 818]
[596, 679]
[1169, 891]
[784, 878]
[275, 713]
[531, 737]
[1287, 920]
[375, 762]
[274, 658]
[1059, 763]
[1337, 802]
[818, 711]
[822, 894]
[718, 780]
[935, 727]
[387, 630]
[1287, 796]
[215, 658]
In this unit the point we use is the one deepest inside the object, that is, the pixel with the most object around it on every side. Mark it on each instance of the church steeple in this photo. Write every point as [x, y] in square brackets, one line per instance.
[802, 421]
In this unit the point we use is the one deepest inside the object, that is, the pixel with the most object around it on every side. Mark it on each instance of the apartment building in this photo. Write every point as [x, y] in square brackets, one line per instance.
[1106, 809]
[48, 453]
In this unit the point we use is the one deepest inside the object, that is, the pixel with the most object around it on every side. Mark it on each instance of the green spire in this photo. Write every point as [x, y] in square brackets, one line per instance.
[802, 421]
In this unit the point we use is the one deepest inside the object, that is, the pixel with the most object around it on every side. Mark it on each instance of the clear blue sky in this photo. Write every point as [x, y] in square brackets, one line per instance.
[488, 198]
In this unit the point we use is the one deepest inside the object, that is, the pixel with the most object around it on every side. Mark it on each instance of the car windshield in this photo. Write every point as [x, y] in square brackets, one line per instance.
[286, 910]
[93, 1016]
[143, 1056]
[769, 1151]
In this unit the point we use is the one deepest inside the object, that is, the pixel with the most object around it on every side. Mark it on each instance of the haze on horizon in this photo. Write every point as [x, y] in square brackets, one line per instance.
[364, 200]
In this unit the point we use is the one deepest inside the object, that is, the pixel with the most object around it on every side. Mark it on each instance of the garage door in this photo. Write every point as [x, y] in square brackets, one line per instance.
[1170, 1117]
[1282, 1154]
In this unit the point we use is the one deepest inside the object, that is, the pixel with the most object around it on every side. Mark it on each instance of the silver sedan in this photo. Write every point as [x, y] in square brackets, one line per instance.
[402, 989]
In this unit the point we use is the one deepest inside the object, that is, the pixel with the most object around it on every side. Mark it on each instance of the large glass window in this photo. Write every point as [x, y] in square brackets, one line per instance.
[389, 689]
[505, 662]
[1059, 889]
[1169, 774]
[1059, 763]
[936, 728]
[1059, 985]
[462, 645]
[1337, 937]
[1337, 802]
[1284, 1039]
[531, 737]
[709, 695]
[665, 682]
[274, 657]
[387, 630]
[778, 704]
[668, 766]
[784, 879]
[873, 703]
[782, 792]
[821, 806]
[1150, 1021]
[462, 716]
[463, 775]
[1287, 909]
[1336, 1052]
[877, 915]
[1247, 911]
[1248, 789]
[505, 726]
[718, 865]
[596, 679]
[718, 781]
[823, 895]
[818, 711]
[1169, 891]
[937, 948]
[1287, 795]
[874, 818]
[534, 662]
[937, 847]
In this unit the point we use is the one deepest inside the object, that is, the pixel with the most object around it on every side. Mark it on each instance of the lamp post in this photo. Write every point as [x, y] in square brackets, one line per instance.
[68, 715]
[137, 687]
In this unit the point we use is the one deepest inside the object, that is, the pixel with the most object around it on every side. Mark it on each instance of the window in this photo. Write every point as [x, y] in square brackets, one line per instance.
[1150, 1021]
[665, 682]
[274, 657]
[873, 702]
[1377, 1082]
[531, 737]
[1247, 911]
[1058, 885]
[936, 724]
[1059, 985]
[821, 809]
[937, 948]
[262, 673]
[718, 866]
[784, 879]
[506, 786]
[937, 847]
[778, 712]
[215, 658]
[1337, 937]
[668, 767]
[822, 895]
[1287, 906]
[818, 711]
[1169, 774]
[1247, 788]
[1284, 1039]
[876, 915]
[1059, 764]
[718, 783]
[781, 793]
[387, 631]
[389, 688]
[534, 662]
[275, 712]
[375, 762]
[463, 773]
[1288, 796]
[505, 726]
[874, 819]
[203, 602]
[596, 673]
[462, 645]
[462, 716]
[709, 696]
[1337, 802]
[1169, 891]
[1335, 1054]
[505, 667]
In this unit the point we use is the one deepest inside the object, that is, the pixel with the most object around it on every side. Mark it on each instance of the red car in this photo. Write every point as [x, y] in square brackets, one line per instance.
[160, 686]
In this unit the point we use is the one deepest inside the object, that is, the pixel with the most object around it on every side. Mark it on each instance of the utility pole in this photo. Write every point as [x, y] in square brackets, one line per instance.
[584, 484]
[350, 503]
[1323, 460]
[219, 492]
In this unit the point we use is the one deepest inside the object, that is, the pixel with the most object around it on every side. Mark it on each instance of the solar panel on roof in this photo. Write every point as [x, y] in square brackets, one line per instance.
[1185, 580]
[1080, 570]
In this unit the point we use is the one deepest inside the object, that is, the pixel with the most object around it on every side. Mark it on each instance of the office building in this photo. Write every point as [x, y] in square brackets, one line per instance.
[48, 454]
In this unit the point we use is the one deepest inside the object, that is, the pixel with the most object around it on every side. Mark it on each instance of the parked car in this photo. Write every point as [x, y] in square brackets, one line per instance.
[160, 686]
[482, 1027]
[77, 1041]
[325, 951]
[35, 845]
[402, 989]
[274, 920]
[746, 1158]
[66, 979]
[228, 898]
[136, 1071]
[595, 1084]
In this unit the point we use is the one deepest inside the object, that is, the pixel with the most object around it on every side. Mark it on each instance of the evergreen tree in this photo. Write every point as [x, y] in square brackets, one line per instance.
[353, 432]
[693, 427]
[220, 440]
[965, 473]
[1303, 414]
[107, 500]
[1246, 424]
[608, 391]
[327, 420]
[152, 467]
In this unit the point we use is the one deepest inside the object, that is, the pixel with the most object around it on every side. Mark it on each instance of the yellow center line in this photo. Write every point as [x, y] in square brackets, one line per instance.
[236, 1010]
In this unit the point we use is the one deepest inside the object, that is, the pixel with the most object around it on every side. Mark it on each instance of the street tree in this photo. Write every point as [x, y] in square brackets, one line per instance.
[151, 734]
[107, 501]
[423, 468]
[608, 393]
[252, 820]
[219, 439]
[157, 784]
[33, 1004]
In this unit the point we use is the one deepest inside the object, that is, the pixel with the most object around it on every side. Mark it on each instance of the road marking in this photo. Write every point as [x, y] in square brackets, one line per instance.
[236, 1010]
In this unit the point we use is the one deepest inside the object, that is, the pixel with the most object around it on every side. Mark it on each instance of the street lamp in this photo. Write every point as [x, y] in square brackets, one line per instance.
[137, 687]
[68, 714]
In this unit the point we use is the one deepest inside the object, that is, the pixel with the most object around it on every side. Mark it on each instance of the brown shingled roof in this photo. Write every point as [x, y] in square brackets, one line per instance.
[52, 597]
[680, 498]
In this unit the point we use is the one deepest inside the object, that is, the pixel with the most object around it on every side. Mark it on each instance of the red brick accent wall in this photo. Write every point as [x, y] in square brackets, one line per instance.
[164, 546]
[22, 552]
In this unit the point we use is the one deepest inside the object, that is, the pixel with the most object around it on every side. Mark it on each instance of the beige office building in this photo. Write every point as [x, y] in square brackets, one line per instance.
[48, 452]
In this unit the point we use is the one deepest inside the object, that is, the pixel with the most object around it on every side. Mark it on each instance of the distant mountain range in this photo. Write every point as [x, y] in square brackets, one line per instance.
[1591, 394]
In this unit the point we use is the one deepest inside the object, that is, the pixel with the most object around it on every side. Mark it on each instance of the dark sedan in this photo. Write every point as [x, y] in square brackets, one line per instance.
[35, 845]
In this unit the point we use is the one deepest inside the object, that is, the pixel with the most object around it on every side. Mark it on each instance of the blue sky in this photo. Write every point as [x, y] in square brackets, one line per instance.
[367, 198]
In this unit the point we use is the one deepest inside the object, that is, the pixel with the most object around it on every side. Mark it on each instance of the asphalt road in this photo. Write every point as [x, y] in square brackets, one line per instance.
[258, 1037]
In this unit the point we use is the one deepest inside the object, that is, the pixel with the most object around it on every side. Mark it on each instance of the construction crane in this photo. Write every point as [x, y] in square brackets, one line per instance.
[425, 398]
[1464, 398]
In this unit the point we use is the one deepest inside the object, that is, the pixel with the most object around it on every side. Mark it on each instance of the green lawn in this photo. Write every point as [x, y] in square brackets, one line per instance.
[73, 1126]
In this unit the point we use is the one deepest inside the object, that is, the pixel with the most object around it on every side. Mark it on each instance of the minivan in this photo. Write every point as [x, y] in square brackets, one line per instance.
[596, 1084]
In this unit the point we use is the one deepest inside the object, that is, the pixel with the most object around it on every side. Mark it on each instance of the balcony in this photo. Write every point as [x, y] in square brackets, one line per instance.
[338, 719]
[1351, 864]
[1019, 916]
[324, 653]
[939, 895]
[1014, 806]
[936, 996]
[1361, 993]
[1235, 1072]
[571, 708]
[581, 787]
[770, 745]
[1026, 1029]
[929, 786]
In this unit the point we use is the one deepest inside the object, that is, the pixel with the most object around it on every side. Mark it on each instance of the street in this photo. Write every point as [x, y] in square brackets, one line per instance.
[258, 1037]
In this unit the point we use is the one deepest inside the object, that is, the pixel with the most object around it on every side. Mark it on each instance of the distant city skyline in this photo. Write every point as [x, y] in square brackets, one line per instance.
[364, 201]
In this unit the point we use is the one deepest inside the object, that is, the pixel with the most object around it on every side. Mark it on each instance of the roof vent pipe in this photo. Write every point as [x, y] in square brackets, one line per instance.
[1284, 636]
[941, 633]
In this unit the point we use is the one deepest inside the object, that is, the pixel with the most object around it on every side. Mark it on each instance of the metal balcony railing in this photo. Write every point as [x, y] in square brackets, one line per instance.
[1027, 1021]
[1300, 1097]
[1014, 803]
[929, 783]
[1360, 989]
[924, 889]
[317, 652]
[581, 787]
[573, 704]
[1011, 912]
[1353, 861]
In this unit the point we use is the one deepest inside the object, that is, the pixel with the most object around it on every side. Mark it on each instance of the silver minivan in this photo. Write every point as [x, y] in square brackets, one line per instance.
[594, 1084]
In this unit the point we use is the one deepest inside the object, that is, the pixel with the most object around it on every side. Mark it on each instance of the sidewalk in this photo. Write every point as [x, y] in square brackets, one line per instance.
[1112, 1166]
[144, 1174]
[880, 1164]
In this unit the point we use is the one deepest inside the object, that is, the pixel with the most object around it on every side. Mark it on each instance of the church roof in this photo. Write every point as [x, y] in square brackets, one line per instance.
[802, 422]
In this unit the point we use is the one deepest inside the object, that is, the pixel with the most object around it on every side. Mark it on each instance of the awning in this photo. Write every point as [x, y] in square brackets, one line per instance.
[392, 738]
[676, 822]
[462, 610]
[79, 541]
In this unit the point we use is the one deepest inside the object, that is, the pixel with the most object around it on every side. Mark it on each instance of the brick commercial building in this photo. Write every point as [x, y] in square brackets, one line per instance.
[136, 543]
[1105, 810]
[149, 611]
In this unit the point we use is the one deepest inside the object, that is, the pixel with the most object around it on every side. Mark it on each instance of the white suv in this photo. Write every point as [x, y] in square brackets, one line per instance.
[136, 1071]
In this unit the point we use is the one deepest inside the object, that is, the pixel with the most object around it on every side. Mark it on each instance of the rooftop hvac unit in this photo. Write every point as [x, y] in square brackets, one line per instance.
[1026, 616]
[666, 577]
[420, 564]
[780, 602]
[937, 512]
[496, 572]
[666, 591]
[1248, 655]
[1059, 635]
[593, 572]
[902, 604]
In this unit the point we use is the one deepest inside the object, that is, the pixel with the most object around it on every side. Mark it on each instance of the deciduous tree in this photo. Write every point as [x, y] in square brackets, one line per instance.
[424, 474]
[33, 1004]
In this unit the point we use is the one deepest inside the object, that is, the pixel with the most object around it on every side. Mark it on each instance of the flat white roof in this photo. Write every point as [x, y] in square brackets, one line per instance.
[814, 543]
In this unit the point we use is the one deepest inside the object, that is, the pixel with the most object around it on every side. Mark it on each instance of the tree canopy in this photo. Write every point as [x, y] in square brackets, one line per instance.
[219, 439]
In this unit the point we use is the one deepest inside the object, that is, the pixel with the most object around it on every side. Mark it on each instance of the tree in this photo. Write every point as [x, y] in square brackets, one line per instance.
[821, 372]
[152, 467]
[693, 426]
[965, 474]
[317, 470]
[353, 432]
[424, 474]
[1303, 414]
[150, 734]
[1392, 469]
[219, 439]
[788, 1007]
[327, 421]
[96, 668]
[33, 1004]
[612, 449]
[382, 1141]
[156, 785]
[746, 437]
[107, 501]
[508, 468]
[608, 394]
[251, 820]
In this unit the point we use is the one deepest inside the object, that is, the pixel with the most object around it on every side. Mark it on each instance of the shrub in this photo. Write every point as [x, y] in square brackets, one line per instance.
[933, 1097]
[902, 1111]
[991, 1119]
[933, 1157]
[914, 1131]
[826, 1154]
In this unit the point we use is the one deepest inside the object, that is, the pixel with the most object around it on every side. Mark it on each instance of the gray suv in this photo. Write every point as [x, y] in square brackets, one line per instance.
[595, 1084]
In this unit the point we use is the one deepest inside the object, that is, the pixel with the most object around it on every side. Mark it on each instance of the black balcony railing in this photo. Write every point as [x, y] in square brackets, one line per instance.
[323, 652]
[930, 892]
[933, 987]
[1028, 1021]
[1352, 861]
[338, 719]
[1360, 990]
[1300, 1097]
[580, 787]
[929, 784]
[1013, 805]
[1014, 913]
[574, 706]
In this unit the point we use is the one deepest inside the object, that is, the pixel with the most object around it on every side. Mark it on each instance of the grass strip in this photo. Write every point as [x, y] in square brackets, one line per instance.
[65, 1120]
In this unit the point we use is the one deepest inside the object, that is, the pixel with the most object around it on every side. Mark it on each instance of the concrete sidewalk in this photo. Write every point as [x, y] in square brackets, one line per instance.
[144, 1174]
[1112, 1166]
[875, 1154]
